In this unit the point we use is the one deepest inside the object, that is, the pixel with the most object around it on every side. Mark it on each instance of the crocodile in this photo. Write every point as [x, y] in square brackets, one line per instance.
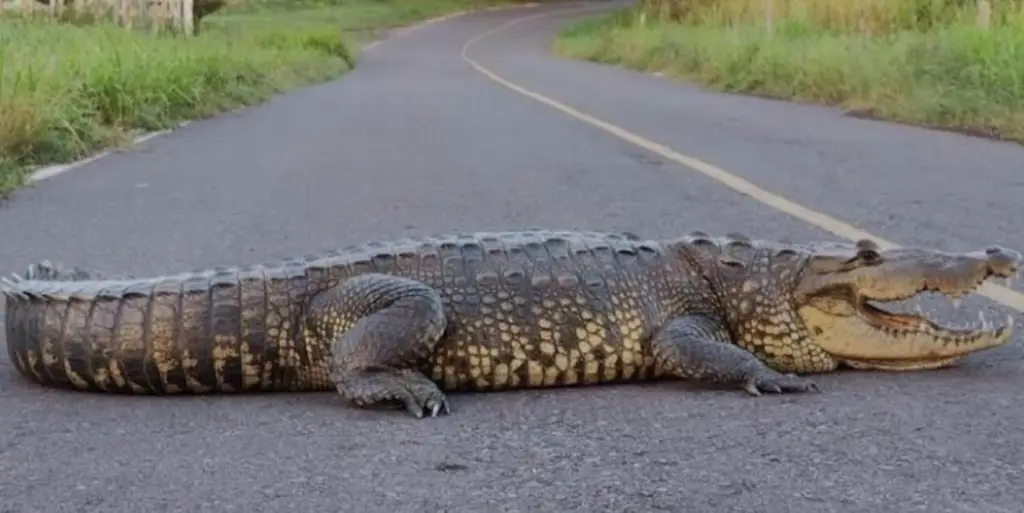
[404, 323]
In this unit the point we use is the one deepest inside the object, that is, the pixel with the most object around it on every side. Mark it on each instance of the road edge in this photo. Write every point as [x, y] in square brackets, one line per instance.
[51, 171]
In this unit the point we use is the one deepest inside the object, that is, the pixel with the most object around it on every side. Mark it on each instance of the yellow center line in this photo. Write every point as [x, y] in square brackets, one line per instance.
[1005, 296]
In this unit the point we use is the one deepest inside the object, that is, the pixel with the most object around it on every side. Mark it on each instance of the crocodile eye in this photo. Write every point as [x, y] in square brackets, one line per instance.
[868, 255]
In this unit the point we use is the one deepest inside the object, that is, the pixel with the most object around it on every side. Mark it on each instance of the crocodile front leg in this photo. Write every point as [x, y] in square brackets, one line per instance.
[695, 347]
[382, 329]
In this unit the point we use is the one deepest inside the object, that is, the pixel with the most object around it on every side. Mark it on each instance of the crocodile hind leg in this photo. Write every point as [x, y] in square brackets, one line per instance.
[383, 329]
[697, 347]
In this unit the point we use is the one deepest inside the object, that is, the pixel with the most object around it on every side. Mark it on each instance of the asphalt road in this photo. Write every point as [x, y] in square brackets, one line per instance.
[415, 142]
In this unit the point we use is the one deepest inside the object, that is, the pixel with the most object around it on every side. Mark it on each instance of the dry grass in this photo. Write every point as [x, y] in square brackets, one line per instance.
[869, 17]
[919, 61]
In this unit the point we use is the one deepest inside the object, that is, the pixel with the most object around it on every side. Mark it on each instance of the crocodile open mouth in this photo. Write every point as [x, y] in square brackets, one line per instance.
[906, 324]
[870, 334]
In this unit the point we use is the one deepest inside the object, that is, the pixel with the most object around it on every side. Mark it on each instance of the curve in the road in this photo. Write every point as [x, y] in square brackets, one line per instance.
[415, 26]
[1005, 296]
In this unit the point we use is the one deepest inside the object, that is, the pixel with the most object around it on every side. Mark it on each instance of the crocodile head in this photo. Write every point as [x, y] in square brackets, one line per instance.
[811, 308]
[842, 289]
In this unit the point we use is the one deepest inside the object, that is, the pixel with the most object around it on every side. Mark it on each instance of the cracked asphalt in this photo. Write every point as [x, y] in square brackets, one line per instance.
[416, 142]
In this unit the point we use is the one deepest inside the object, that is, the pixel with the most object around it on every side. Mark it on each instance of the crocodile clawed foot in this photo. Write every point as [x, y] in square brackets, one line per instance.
[776, 383]
[405, 389]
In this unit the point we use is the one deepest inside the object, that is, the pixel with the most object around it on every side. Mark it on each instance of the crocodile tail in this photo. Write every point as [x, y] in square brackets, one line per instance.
[60, 329]
[200, 332]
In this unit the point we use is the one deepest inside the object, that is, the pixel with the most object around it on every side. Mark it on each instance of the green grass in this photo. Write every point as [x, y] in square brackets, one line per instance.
[951, 75]
[69, 90]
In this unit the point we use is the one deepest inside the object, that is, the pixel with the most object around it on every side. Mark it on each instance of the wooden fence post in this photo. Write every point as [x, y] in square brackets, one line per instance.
[188, 17]
[862, 17]
[984, 14]
[768, 15]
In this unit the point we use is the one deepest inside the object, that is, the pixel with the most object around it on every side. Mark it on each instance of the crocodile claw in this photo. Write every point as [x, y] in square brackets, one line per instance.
[440, 407]
[776, 383]
[433, 407]
[430, 403]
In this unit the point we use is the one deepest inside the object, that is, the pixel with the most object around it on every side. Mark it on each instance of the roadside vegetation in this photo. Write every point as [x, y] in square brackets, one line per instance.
[949, 64]
[71, 87]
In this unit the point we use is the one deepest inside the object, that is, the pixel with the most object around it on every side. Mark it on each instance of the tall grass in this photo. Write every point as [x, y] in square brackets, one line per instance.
[920, 61]
[850, 16]
[70, 89]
